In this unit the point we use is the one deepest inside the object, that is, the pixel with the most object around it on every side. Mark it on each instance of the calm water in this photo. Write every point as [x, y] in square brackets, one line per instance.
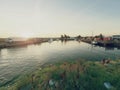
[20, 60]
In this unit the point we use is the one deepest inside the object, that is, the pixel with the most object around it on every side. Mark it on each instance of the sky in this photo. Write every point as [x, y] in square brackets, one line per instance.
[51, 18]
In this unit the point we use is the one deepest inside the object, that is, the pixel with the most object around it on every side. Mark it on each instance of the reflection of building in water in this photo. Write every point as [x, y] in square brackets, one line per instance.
[109, 48]
[118, 48]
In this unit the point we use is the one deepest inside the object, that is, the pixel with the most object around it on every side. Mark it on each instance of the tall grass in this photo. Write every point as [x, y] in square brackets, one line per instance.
[77, 75]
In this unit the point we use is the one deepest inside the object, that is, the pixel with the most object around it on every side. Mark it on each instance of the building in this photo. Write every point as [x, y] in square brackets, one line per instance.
[117, 37]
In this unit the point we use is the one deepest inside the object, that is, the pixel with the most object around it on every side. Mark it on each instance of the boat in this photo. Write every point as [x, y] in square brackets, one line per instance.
[94, 43]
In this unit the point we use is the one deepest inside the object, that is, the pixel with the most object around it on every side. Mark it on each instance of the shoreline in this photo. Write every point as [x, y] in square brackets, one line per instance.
[22, 43]
[72, 70]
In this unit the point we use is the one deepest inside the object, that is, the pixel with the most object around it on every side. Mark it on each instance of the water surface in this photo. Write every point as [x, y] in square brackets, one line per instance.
[20, 60]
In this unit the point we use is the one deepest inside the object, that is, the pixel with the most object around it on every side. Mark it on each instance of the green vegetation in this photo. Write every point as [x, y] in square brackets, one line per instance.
[77, 75]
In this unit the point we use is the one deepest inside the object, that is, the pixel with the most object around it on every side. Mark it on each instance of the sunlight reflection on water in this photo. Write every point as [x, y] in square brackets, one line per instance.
[20, 60]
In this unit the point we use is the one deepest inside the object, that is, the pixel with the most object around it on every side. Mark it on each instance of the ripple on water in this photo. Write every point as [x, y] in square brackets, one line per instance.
[18, 61]
[4, 64]
[2, 80]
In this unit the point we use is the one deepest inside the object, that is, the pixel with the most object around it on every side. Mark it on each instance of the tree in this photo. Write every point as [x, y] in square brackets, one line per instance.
[101, 36]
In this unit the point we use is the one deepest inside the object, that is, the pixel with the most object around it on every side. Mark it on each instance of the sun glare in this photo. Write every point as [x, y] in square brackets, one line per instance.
[27, 35]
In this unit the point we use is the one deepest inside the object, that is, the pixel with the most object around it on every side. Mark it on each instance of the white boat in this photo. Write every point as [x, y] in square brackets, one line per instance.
[94, 42]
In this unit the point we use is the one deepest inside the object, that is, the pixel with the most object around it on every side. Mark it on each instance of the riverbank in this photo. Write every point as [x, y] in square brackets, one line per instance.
[72, 75]
[109, 43]
[5, 44]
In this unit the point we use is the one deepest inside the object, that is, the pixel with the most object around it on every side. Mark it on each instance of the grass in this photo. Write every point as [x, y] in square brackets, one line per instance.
[74, 75]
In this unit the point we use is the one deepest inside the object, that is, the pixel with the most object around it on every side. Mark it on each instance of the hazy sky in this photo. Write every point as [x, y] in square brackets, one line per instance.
[56, 17]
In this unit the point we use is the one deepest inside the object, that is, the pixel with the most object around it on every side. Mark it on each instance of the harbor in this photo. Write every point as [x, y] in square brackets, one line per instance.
[59, 45]
[111, 41]
[19, 61]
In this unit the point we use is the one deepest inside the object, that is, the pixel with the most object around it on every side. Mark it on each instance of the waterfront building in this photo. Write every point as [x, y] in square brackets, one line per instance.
[117, 37]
